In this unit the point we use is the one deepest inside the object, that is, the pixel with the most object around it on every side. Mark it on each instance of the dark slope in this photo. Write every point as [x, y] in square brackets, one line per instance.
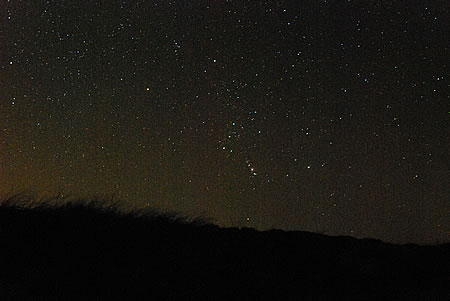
[80, 252]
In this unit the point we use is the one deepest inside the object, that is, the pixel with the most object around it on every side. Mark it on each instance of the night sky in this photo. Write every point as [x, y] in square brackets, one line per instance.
[325, 116]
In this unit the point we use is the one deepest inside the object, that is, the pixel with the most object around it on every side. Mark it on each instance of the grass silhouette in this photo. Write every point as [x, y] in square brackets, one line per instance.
[73, 249]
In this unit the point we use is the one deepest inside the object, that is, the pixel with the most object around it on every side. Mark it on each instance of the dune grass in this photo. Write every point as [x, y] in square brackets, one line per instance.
[68, 248]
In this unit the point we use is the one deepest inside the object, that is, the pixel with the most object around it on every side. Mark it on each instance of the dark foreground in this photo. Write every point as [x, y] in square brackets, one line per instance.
[83, 253]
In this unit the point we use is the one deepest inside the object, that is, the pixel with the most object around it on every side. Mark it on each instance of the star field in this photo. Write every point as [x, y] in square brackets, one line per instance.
[324, 116]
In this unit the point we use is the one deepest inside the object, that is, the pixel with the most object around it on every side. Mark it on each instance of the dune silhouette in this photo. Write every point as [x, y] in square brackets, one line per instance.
[87, 251]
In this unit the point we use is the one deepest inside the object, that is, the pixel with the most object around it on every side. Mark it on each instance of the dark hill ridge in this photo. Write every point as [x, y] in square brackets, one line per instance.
[85, 252]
